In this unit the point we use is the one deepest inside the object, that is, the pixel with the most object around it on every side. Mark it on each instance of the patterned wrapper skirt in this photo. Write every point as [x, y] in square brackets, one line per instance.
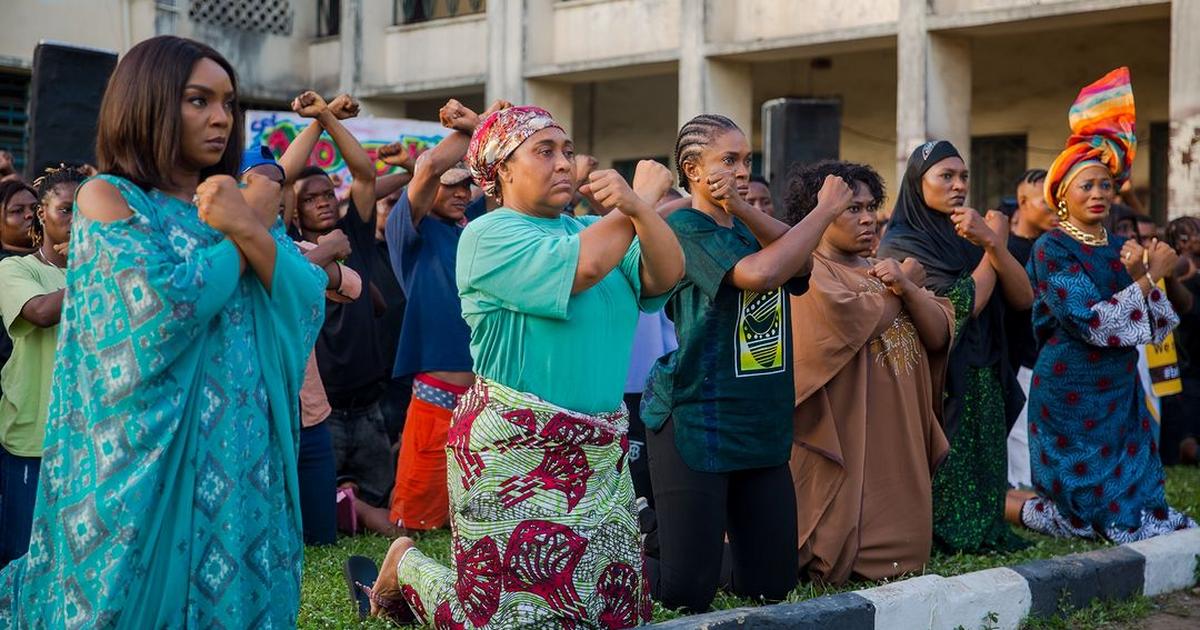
[544, 525]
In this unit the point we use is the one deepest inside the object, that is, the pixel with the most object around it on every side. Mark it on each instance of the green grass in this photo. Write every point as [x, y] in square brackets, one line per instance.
[1099, 613]
[326, 604]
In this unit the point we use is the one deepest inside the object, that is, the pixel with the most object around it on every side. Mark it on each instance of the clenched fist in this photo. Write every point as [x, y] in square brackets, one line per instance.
[651, 181]
[309, 104]
[343, 106]
[222, 206]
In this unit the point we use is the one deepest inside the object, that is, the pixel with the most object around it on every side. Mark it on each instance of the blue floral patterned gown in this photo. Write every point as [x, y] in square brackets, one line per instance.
[1094, 455]
[168, 492]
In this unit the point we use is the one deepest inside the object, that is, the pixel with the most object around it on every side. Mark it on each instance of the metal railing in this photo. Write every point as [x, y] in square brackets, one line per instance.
[415, 11]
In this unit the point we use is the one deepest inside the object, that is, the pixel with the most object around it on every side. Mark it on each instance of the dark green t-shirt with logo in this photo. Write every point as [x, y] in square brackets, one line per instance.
[728, 389]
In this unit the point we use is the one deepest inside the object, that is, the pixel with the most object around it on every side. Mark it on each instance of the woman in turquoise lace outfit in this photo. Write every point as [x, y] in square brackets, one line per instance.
[168, 491]
[967, 261]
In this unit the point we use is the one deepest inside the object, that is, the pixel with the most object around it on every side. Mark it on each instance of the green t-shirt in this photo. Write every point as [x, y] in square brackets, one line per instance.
[26, 375]
[528, 332]
[728, 388]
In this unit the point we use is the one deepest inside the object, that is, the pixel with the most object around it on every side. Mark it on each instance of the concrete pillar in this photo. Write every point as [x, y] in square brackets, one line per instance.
[506, 51]
[1183, 161]
[710, 86]
[350, 68]
[933, 86]
[555, 97]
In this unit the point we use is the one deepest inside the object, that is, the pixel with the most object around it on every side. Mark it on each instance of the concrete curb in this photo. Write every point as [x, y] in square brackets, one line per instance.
[996, 598]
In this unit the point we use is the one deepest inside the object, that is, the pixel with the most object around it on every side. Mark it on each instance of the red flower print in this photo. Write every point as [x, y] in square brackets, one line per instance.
[1113, 507]
[1098, 491]
[1060, 368]
[1080, 468]
[1074, 268]
[1118, 470]
[1062, 441]
[1056, 487]
[1132, 449]
[1160, 514]
[1105, 450]
[1089, 424]
[1104, 383]
[1155, 295]
[1136, 315]
[1093, 356]
[1033, 428]
[1114, 341]
[1115, 265]
[1072, 398]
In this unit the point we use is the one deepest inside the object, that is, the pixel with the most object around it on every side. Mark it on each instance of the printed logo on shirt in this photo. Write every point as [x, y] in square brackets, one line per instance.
[761, 333]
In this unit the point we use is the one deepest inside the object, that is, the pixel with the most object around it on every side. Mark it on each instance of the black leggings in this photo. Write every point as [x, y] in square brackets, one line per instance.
[695, 510]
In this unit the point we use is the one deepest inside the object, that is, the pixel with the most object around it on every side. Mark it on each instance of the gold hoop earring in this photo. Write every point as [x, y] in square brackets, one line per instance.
[1062, 211]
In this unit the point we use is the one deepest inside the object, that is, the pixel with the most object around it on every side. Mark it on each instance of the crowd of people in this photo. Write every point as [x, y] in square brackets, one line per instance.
[610, 391]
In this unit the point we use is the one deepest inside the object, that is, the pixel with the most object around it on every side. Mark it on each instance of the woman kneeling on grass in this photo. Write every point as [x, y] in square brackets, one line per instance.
[544, 525]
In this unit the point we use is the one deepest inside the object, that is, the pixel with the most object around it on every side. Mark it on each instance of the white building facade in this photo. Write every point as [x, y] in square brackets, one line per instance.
[993, 76]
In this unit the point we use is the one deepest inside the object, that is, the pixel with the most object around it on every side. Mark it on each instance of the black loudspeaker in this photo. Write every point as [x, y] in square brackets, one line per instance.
[798, 131]
[64, 104]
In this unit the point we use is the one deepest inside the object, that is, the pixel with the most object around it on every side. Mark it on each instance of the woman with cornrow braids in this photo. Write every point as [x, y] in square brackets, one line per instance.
[719, 409]
[31, 299]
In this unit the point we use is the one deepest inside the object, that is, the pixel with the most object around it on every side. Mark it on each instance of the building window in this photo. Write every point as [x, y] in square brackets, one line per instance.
[272, 17]
[414, 11]
[329, 18]
[14, 98]
[996, 164]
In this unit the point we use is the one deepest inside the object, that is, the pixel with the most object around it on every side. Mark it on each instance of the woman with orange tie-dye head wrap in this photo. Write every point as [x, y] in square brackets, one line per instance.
[1095, 459]
[545, 531]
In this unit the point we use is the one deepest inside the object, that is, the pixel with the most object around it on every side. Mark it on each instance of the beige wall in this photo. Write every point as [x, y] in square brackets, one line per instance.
[590, 30]
[437, 53]
[99, 24]
[750, 20]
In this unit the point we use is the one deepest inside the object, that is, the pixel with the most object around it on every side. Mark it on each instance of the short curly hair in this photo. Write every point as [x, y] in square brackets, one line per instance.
[805, 181]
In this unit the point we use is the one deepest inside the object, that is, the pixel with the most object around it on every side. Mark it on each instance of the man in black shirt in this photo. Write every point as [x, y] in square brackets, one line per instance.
[1033, 218]
[349, 355]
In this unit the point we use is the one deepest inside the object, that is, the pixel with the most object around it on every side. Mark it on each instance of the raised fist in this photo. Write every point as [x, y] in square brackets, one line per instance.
[309, 104]
[343, 106]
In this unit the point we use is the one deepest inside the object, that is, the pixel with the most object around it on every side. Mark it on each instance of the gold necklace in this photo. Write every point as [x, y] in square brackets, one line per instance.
[1084, 237]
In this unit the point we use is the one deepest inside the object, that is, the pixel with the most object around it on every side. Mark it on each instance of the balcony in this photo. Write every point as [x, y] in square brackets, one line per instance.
[587, 35]
[445, 49]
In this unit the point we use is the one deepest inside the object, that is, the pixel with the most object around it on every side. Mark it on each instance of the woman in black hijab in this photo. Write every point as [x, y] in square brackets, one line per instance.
[966, 259]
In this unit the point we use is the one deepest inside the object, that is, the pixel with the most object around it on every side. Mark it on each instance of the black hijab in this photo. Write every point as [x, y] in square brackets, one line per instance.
[920, 232]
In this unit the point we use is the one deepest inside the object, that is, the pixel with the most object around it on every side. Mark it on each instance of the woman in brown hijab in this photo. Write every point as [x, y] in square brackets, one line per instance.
[869, 349]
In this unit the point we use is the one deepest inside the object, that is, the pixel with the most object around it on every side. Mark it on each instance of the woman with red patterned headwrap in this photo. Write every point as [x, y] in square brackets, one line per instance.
[1095, 458]
[544, 525]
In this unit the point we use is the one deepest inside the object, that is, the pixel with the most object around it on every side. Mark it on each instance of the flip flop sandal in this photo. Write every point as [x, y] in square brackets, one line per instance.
[360, 573]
